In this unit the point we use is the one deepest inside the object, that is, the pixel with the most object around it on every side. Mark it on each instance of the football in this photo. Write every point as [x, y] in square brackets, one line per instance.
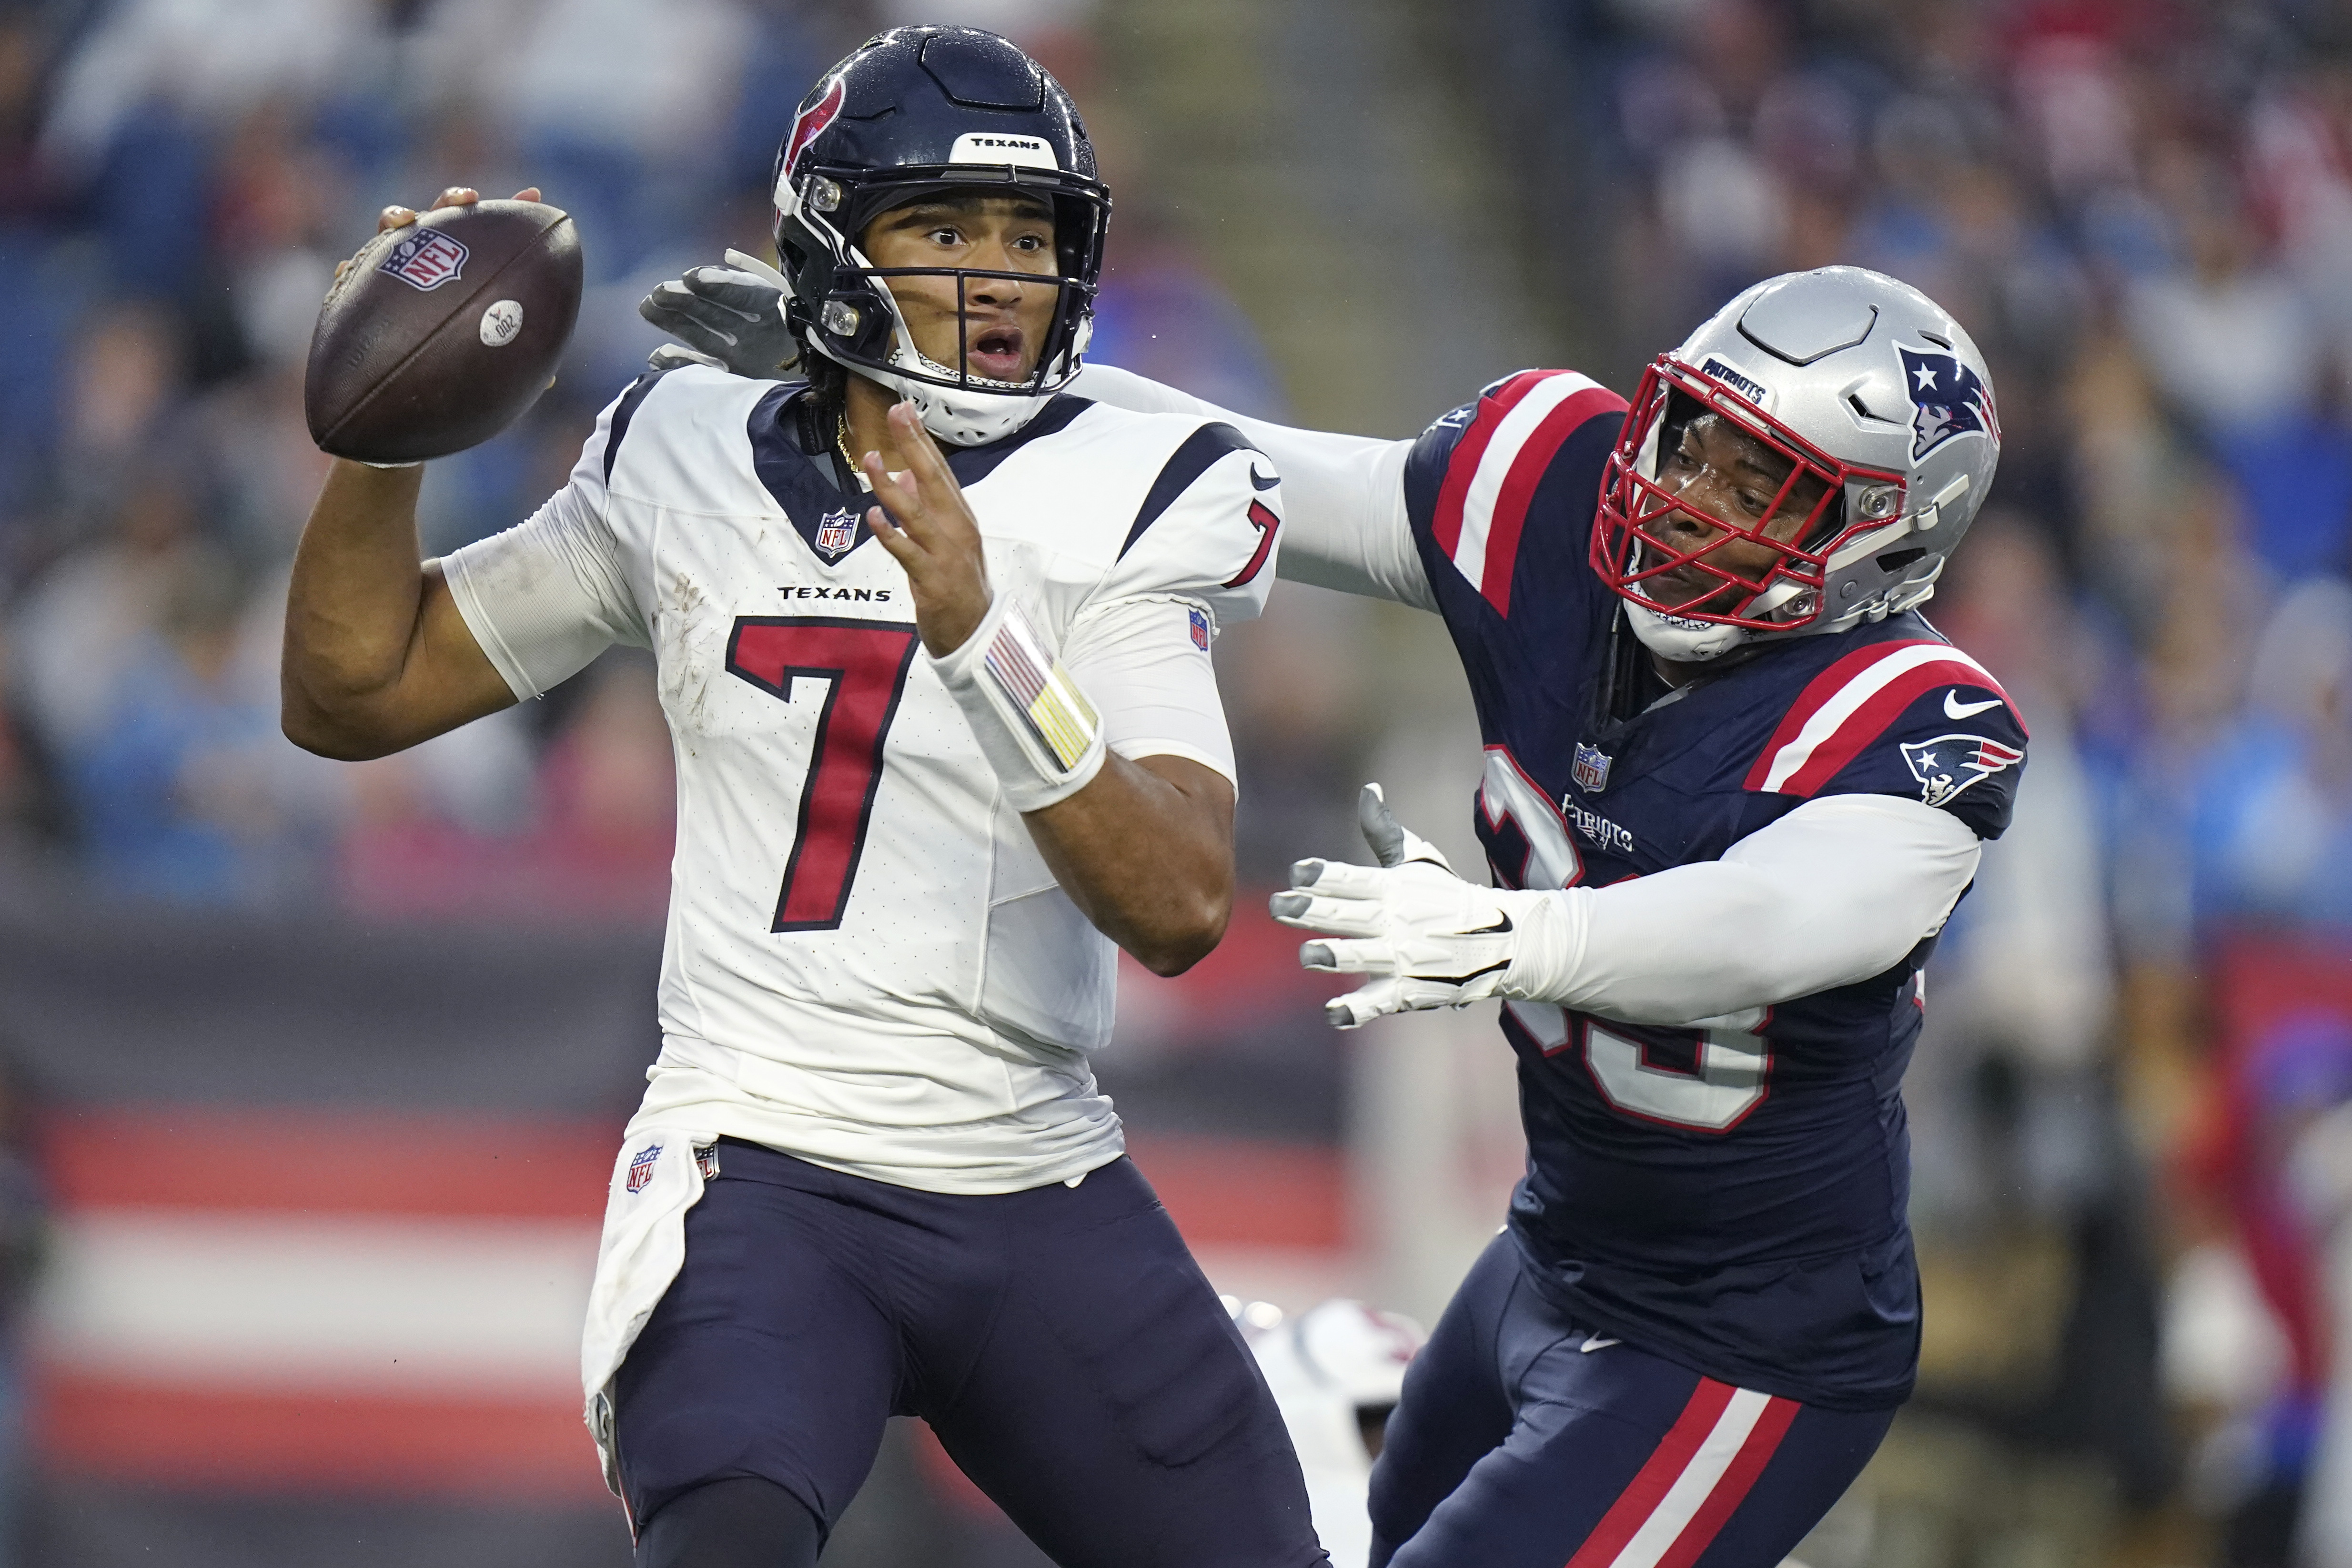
[441, 333]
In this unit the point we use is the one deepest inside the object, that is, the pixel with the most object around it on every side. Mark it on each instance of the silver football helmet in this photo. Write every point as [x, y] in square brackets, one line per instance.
[1881, 410]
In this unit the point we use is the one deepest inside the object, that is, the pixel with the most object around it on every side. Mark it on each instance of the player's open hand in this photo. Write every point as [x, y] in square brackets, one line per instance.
[925, 523]
[397, 217]
[1431, 938]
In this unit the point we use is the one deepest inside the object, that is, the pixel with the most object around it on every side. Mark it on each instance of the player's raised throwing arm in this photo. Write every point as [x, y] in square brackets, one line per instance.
[377, 657]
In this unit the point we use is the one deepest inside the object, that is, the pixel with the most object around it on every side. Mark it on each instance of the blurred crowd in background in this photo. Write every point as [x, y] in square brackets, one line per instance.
[2133, 1110]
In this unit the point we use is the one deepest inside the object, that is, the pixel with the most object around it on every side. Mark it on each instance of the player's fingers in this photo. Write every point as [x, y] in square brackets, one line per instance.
[528, 194]
[1359, 1007]
[455, 197]
[897, 492]
[1341, 955]
[1337, 879]
[670, 357]
[1340, 917]
[1380, 825]
[682, 316]
[727, 290]
[894, 538]
[395, 216]
[925, 462]
[759, 269]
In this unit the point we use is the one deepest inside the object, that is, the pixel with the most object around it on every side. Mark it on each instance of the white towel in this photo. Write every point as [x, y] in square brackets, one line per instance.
[657, 1178]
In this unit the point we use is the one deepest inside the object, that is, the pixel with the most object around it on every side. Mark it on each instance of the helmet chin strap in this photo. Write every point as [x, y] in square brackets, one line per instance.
[1682, 640]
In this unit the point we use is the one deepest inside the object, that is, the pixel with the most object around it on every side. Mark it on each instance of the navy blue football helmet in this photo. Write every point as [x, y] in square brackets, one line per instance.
[911, 112]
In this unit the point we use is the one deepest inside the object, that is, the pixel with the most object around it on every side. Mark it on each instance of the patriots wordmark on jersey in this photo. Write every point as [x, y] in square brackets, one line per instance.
[1733, 1194]
[867, 963]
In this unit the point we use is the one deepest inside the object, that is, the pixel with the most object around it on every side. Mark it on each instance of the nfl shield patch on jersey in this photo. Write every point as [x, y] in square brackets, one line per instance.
[1590, 768]
[836, 532]
[426, 260]
[1949, 763]
[1200, 629]
[641, 1167]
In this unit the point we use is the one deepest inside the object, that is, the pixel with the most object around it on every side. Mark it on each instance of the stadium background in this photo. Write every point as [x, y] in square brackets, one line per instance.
[313, 1070]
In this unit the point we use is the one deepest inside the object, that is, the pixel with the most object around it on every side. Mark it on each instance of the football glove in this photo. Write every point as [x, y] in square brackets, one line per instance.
[730, 318]
[1431, 938]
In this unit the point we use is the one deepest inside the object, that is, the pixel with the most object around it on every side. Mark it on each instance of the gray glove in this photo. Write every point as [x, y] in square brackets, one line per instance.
[730, 318]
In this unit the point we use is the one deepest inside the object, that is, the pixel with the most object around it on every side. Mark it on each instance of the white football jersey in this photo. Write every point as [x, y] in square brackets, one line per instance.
[867, 964]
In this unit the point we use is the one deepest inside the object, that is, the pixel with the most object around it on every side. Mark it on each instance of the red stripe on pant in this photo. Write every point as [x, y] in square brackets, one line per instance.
[1673, 1456]
[1763, 1440]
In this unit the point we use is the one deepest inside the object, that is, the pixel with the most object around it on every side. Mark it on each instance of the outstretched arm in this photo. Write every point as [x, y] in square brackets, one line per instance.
[1344, 520]
[1837, 892]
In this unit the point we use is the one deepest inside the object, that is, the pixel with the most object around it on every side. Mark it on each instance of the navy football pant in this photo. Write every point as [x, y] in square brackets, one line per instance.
[1524, 1441]
[1061, 1342]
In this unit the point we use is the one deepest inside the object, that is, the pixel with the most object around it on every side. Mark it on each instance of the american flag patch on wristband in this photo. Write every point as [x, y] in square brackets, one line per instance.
[1058, 715]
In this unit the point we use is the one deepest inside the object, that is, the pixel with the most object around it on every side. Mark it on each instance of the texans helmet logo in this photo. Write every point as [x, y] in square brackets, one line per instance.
[810, 124]
[1950, 763]
[1948, 399]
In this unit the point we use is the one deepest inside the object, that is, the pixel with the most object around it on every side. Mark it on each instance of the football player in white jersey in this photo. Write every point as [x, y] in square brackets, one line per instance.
[935, 757]
[1733, 783]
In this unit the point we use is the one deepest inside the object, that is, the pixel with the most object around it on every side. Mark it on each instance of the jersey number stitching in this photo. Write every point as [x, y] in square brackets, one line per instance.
[1733, 1060]
[1261, 518]
[864, 665]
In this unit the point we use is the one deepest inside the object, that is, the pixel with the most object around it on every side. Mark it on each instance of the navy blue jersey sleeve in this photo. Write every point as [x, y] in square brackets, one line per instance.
[1503, 488]
[1913, 717]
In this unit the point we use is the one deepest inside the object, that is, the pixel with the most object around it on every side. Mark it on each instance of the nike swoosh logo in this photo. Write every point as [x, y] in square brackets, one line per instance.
[1501, 925]
[1261, 482]
[1955, 709]
[1595, 1343]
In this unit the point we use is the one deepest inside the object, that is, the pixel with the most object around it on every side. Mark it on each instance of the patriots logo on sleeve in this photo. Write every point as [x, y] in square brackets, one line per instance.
[1947, 399]
[1949, 764]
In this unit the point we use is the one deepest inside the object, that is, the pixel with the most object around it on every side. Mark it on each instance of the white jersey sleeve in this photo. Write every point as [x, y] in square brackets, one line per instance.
[546, 596]
[1347, 524]
[1834, 892]
[1144, 664]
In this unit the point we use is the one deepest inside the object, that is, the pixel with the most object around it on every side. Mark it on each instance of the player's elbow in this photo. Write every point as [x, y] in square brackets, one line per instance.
[325, 729]
[1185, 935]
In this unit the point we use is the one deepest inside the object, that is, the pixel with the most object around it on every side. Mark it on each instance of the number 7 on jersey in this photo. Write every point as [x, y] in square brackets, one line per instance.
[864, 665]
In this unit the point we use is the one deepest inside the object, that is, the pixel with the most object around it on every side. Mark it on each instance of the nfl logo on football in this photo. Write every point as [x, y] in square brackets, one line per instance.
[1590, 769]
[427, 260]
[835, 532]
[641, 1168]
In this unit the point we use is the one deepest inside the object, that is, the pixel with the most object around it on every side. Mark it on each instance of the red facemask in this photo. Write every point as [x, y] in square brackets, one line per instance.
[1632, 544]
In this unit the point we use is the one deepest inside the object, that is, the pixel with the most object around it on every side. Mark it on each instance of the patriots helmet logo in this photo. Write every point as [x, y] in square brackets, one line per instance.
[1948, 399]
[1949, 764]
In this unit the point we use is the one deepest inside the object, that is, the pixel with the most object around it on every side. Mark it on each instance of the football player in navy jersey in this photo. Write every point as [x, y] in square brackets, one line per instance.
[1734, 784]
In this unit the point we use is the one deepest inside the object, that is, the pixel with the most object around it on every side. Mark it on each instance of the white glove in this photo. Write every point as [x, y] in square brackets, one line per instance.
[1435, 940]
